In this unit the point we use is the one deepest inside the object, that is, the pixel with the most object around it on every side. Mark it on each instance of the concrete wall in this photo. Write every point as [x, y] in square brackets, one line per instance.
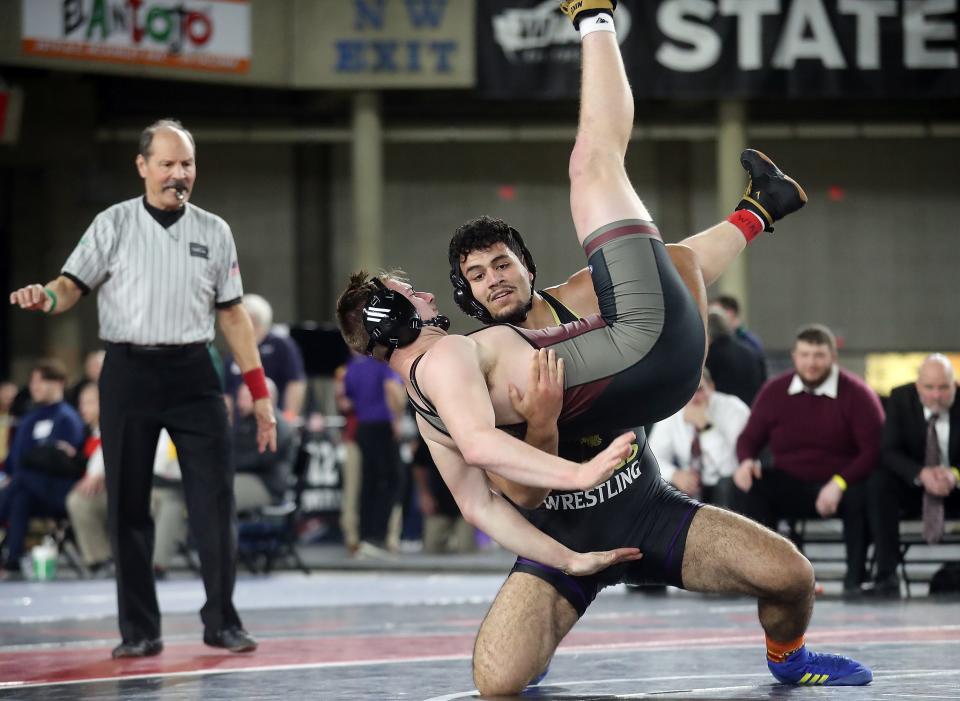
[876, 265]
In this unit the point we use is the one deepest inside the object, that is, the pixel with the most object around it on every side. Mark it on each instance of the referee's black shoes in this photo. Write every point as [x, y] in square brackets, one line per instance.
[233, 639]
[138, 648]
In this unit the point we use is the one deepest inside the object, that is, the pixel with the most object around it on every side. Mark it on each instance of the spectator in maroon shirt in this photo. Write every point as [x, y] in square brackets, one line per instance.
[823, 426]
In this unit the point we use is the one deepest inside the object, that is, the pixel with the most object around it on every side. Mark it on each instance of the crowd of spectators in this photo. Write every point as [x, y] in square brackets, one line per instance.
[812, 442]
[815, 443]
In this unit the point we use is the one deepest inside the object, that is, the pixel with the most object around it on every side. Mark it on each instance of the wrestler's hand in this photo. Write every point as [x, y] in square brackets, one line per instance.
[266, 424]
[604, 464]
[32, 298]
[540, 405]
[583, 564]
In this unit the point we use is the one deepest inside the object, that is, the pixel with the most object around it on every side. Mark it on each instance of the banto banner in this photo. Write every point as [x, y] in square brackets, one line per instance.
[208, 35]
[731, 48]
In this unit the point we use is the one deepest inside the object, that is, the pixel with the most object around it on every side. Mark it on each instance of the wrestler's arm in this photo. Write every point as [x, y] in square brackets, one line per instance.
[540, 407]
[451, 377]
[494, 516]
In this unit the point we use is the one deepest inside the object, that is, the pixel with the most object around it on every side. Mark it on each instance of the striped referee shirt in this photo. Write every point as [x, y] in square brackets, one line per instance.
[157, 286]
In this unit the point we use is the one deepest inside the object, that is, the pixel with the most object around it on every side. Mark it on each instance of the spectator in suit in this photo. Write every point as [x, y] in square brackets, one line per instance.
[735, 366]
[918, 472]
[697, 447]
[823, 426]
[41, 463]
[730, 306]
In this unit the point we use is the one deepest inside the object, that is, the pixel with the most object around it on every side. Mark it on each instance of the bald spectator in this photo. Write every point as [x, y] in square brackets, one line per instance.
[735, 366]
[823, 426]
[281, 358]
[918, 466]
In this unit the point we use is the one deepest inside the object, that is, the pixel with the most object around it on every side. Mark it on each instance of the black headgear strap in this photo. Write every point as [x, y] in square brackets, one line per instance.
[463, 295]
[392, 321]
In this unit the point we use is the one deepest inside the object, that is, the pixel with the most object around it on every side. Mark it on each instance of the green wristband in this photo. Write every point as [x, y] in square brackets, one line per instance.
[53, 299]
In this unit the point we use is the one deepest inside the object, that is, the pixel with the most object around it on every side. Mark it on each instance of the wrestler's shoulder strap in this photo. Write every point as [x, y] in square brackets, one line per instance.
[561, 313]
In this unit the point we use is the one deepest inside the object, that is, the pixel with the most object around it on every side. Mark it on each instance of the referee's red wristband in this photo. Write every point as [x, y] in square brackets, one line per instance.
[256, 380]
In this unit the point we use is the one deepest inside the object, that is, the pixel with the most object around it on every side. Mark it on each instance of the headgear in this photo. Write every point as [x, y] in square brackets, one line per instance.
[392, 321]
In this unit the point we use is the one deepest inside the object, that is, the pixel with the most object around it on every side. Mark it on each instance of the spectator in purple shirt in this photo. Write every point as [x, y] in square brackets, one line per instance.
[823, 426]
[281, 358]
[377, 397]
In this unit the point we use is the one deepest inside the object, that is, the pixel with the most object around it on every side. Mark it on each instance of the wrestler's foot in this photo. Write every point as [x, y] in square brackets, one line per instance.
[770, 194]
[812, 668]
[577, 10]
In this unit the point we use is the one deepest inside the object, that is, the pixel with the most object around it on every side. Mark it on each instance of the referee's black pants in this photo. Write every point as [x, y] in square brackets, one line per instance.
[141, 391]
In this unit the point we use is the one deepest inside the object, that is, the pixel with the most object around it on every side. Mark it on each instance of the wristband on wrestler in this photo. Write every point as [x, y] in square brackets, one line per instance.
[53, 300]
[956, 473]
[842, 483]
[256, 380]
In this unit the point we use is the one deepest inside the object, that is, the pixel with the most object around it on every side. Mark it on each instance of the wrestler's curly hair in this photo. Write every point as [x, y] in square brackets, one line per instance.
[478, 234]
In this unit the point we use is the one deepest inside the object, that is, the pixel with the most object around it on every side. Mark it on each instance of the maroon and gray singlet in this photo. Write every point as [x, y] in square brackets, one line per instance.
[636, 363]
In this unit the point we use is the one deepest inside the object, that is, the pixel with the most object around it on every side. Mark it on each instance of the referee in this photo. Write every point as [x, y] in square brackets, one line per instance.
[162, 267]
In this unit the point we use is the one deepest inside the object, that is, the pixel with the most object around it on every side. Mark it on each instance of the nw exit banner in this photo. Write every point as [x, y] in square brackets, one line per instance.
[731, 48]
[208, 35]
[385, 44]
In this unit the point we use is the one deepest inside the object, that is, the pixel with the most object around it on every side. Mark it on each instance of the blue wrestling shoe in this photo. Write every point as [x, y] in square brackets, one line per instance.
[539, 678]
[805, 668]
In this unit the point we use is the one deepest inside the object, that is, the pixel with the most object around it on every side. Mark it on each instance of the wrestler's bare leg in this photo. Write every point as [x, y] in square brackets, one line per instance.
[688, 263]
[600, 191]
[519, 635]
[716, 248]
[727, 553]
